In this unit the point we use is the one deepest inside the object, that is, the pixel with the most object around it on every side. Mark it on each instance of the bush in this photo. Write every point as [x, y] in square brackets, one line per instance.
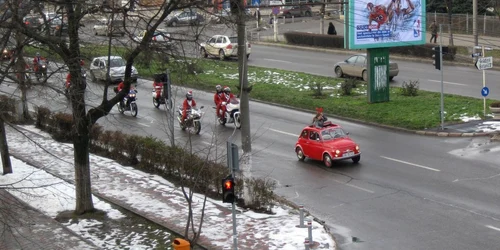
[311, 39]
[347, 86]
[42, 117]
[261, 193]
[316, 88]
[495, 105]
[8, 107]
[62, 124]
[410, 88]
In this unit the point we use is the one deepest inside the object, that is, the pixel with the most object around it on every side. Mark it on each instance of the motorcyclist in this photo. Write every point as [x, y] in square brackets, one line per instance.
[157, 87]
[218, 99]
[226, 97]
[188, 104]
[37, 61]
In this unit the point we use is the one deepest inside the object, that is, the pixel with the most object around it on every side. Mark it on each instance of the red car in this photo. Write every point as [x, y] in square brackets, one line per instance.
[327, 144]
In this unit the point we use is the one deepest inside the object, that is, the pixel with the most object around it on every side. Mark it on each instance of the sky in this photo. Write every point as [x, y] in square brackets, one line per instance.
[149, 194]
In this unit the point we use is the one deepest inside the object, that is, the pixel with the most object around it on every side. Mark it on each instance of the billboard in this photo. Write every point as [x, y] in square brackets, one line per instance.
[385, 23]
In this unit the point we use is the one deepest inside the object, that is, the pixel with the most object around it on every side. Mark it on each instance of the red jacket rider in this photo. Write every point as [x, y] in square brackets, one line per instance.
[226, 97]
[68, 77]
[158, 87]
[218, 99]
[37, 60]
[187, 104]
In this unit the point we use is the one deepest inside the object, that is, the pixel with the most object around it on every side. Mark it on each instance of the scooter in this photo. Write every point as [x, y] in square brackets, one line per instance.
[193, 119]
[42, 70]
[232, 114]
[160, 98]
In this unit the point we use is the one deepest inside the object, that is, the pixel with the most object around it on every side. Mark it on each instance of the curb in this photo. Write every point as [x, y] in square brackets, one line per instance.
[388, 127]
[352, 52]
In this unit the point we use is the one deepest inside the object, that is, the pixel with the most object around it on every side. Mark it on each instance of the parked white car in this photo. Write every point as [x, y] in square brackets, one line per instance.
[222, 47]
[98, 69]
[105, 27]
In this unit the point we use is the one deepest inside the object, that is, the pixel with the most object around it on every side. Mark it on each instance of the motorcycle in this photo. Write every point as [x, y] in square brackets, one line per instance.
[232, 114]
[160, 98]
[129, 103]
[67, 84]
[192, 120]
[41, 70]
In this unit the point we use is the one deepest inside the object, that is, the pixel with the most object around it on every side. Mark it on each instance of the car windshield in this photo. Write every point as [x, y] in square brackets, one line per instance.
[117, 62]
[332, 133]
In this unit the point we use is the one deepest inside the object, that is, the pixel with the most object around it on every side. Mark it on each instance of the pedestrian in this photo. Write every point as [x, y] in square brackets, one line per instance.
[331, 29]
[434, 31]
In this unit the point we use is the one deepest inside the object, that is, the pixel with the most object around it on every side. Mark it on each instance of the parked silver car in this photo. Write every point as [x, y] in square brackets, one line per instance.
[98, 69]
[356, 66]
[105, 27]
[187, 17]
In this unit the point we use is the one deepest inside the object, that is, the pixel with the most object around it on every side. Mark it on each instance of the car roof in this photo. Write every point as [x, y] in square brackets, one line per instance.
[326, 125]
[106, 57]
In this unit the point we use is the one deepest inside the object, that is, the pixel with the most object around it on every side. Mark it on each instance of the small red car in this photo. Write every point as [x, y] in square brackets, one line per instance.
[328, 143]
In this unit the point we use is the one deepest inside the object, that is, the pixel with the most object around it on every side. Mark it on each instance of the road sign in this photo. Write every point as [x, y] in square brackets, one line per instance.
[484, 63]
[477, 54]
[276, 10]
[485, 91]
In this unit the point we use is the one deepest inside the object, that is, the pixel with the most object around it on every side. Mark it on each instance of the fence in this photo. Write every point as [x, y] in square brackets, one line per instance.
[462, 23]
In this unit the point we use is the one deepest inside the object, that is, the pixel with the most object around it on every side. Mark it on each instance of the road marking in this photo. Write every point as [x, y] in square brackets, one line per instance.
[283, 132]
[360, 188]
[452, 83]
[142, 124]
[274, 60]
[409, 163]
[492, 227]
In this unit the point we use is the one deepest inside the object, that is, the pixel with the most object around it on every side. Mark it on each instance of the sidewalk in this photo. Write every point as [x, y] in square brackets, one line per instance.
[29, 229]
[160, 201]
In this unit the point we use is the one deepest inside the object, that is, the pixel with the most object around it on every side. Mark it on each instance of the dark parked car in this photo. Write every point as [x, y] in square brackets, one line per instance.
[187, 17]
[33, 22]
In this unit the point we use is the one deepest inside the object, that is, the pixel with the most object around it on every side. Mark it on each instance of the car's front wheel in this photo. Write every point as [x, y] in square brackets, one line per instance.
[391, 77]
[327, 160]
[204, 53]
[365, 75]
[338, 72]
[356, 159]
[300, 154]
[173, 24]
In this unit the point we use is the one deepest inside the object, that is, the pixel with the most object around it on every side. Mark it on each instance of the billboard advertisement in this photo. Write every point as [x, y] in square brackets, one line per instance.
[385, 23]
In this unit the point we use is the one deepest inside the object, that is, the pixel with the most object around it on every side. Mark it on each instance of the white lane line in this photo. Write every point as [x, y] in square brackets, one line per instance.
[409, 163]
[492, 227]
[283, 132]
[452, 83]
[142, 124]
[274, 60]
[360, 188]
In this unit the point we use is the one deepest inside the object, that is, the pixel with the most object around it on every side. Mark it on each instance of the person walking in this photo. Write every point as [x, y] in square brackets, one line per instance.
[434, 31]
[331, 29]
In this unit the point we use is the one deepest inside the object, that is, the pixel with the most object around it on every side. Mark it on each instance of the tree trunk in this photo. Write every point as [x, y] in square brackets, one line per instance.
[21, 68]
[81, 141]
[4, 149]
[246, 143]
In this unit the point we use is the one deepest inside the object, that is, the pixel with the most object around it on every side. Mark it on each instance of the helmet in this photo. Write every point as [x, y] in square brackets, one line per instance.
[37, 53]
[189, 95]
[227, 90]
[218, 88]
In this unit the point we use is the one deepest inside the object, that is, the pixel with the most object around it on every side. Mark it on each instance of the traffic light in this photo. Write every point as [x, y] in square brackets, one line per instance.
[437, 58]
[228, 195]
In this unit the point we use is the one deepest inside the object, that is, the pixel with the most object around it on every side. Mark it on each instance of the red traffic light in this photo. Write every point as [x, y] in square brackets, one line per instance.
[228, 184]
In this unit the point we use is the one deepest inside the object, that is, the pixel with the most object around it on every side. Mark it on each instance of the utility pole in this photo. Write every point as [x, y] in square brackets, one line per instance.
[474, 21]
[246, 143]
[441, 69]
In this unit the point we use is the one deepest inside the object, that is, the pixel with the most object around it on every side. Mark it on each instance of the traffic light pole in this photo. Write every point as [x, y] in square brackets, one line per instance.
[230, 164]
[484, 84]
[441, 69]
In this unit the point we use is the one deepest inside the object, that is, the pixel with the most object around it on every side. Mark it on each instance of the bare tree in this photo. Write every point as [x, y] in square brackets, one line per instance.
[70, 54]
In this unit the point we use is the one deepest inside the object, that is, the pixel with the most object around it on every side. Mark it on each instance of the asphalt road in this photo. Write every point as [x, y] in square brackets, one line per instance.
[408, 192]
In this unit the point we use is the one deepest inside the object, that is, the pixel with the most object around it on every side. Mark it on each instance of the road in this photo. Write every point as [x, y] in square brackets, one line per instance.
[408, 192]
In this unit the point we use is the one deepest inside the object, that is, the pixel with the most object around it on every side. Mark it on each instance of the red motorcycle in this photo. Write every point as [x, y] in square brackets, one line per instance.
[159, 93]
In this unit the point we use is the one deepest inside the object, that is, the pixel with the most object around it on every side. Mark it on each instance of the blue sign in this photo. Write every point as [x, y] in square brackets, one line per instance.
[485, 91]
[276, 10]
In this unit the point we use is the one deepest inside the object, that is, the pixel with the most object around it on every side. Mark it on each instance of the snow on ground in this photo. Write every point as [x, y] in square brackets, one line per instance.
[54, 195]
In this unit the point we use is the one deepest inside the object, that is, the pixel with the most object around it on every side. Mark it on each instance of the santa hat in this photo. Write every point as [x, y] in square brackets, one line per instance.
[319, 110]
